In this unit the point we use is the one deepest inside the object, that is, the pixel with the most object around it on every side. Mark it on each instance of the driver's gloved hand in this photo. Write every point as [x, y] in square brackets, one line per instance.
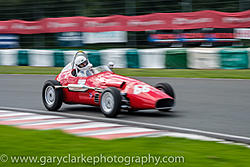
[73, 72]
[88, 73]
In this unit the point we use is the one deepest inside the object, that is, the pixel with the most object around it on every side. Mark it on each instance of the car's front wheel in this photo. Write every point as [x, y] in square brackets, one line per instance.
[111, 102]
[166, 88]
[52, 98]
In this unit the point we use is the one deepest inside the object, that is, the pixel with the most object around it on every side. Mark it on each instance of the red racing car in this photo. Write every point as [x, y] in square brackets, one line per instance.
[110, 91]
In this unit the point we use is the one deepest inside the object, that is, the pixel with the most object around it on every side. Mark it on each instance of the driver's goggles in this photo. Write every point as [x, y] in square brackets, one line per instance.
[83, 64]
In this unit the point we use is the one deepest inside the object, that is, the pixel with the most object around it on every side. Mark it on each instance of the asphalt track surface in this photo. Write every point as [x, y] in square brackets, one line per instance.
[221, 106]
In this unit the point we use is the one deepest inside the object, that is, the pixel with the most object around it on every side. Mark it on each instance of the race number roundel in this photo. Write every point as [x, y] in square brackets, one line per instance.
[141, 88]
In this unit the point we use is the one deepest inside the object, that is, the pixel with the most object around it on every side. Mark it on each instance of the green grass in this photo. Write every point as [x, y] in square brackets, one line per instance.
[29, 70]
[185, 73]
[18, 142]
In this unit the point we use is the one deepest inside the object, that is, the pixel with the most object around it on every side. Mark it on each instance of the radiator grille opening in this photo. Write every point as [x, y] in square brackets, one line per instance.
[164, 103]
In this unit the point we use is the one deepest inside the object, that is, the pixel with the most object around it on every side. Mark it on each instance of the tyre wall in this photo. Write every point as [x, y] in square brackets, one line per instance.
[172, 58]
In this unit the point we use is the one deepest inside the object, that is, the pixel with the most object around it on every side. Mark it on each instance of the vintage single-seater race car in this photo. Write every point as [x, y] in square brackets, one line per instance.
[110, 91]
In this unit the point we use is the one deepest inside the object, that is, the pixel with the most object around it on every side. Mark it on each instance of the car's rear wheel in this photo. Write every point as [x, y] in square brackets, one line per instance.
[111, 102]
[166, 88]
[52, 98]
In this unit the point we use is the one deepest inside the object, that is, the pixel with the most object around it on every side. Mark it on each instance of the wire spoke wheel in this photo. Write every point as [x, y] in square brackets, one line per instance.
[50, 95]
[110, 102]
[52, 98]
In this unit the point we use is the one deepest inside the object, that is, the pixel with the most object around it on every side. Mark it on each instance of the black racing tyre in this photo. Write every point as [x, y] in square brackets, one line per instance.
[111, 102]
[52, 98]
[166, 88]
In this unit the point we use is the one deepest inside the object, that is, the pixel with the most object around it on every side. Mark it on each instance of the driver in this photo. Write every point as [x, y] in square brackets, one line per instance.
[83, 66]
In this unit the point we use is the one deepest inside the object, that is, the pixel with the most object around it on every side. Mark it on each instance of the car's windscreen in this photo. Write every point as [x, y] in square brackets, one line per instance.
[67, 67]
[100, 69]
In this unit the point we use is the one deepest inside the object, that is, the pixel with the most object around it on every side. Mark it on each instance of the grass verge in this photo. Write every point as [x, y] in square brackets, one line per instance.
[19, 142]
[184, 73]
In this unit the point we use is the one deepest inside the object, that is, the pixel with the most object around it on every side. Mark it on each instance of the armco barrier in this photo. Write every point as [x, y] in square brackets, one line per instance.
[59, 59]
[132, 57]
[152, 58]
[117, 56]
[9, 57]
[198, 58]
[176, 59]
[203, 58]
[68, 56]
[248, 51]
[23, 58]
[94, 58]
[234, 59]
[41, 57]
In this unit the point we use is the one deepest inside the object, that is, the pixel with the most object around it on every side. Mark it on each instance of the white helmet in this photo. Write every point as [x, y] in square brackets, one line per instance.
[111, 65]
[82, 63]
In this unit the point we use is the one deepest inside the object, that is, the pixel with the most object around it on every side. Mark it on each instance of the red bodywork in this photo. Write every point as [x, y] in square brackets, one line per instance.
[141, 95]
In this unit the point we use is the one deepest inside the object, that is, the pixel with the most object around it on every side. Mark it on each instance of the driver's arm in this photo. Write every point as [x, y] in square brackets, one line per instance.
[81, 73]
